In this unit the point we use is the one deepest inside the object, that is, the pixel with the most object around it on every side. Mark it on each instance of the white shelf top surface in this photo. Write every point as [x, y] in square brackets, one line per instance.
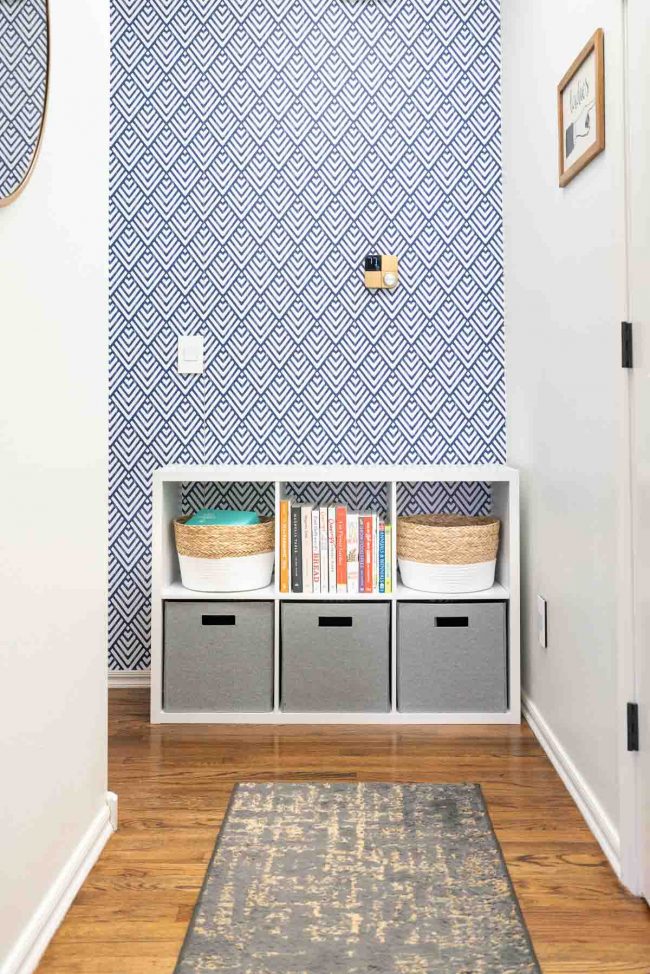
[177, 591]
[496, 591]
[489, 473]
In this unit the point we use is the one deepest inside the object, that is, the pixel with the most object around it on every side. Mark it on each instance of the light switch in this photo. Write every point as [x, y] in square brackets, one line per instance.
[190, 354]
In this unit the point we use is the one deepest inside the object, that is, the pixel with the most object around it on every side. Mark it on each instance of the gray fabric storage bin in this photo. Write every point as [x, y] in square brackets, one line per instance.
[218, 656]
[335, 656]
[451, 657]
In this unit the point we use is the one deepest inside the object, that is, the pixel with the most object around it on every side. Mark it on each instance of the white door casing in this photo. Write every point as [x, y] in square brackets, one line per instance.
[638, 269]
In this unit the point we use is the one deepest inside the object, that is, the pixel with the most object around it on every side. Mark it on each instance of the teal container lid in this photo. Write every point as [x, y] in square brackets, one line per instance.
[224, 518]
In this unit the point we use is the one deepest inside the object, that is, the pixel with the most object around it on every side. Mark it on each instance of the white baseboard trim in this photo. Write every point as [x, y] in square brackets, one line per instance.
[111, 801]
[121, 679]
[592, 811]
[30, 946]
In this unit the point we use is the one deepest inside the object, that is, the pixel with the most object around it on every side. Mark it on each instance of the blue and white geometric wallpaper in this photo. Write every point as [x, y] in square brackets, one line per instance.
[259, 149]
[23, 73]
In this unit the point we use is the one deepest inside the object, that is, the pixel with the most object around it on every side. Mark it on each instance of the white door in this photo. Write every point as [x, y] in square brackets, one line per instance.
[638, 125]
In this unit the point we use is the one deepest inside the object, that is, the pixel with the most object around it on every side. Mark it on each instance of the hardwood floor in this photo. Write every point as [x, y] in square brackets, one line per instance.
[174, 782]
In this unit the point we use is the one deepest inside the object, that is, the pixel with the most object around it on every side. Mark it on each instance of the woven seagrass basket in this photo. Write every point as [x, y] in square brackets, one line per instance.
[447, 553]
[225, 558]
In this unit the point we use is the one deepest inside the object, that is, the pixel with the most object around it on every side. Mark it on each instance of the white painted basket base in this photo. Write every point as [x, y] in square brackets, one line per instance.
[227, 574]
[447, 578]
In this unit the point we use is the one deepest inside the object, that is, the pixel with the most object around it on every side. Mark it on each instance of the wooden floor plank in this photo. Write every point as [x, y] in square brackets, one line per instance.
[174, 783]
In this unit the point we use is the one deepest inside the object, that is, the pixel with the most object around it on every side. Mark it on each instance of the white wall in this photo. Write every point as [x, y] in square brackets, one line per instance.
[564, 270]
[53, 458]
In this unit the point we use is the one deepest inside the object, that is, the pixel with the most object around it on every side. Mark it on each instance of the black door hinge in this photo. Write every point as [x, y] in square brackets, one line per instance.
[633, 727]
[627, 356]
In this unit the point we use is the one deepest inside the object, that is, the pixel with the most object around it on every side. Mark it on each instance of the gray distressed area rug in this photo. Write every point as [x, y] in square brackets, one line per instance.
[318, 878]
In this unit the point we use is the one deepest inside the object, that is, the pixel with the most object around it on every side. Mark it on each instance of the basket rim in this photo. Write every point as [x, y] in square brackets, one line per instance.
[456, 522]
[223, 540]
[184, 518]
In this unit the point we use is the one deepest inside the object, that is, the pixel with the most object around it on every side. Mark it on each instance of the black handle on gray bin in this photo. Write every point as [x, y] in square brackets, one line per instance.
[335, 620]
[459, 621]
[218, 620]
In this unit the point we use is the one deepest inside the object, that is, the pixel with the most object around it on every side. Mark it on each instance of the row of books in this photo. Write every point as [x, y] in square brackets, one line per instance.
[330, 550]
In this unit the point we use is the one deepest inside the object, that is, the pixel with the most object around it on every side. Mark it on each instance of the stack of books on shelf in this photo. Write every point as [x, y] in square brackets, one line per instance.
[330, 550]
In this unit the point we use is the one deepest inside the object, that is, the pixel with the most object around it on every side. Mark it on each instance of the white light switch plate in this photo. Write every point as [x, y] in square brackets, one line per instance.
[190, 354]
[541, 621]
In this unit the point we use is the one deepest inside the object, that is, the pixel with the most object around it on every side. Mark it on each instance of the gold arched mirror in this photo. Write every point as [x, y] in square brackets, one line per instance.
[24, 62]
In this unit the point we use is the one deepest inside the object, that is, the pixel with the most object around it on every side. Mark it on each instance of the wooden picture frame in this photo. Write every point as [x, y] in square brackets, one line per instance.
[581, 109]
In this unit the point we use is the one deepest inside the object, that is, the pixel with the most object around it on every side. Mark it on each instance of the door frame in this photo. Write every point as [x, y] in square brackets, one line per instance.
[629, 671]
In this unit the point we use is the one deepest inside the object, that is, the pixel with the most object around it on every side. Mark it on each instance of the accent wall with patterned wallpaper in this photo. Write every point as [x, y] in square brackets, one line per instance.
[258, 151]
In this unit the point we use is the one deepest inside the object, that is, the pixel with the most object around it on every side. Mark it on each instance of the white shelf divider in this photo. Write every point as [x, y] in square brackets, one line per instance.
[166, 583]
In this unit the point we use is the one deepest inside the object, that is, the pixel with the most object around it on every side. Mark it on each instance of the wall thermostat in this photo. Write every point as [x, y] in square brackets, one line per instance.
[380, 271]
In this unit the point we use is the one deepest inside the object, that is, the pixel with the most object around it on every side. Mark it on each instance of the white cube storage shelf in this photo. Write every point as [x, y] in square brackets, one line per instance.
[166, 584]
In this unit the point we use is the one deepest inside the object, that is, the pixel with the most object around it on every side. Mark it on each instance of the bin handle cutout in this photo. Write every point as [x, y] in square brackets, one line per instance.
[455, 621]
[218, 620]
[335, 620]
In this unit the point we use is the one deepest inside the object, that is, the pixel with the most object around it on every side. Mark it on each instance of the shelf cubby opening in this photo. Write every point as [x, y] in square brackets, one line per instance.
[247, 495]
[443, 497]
[359, 497]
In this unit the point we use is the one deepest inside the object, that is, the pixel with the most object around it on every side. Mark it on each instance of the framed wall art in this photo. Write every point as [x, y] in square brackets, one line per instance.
[581, 110]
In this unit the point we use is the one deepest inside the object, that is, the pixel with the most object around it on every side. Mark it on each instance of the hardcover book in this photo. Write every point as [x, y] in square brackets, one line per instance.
[315, 550]
[341, 548]
[331, 548]
[324, 575]
[353, 553]
[367, 552]
[285, 559]
[296, 549]
[375, 553]
[307, 567]
[389, 558]
[362, 560]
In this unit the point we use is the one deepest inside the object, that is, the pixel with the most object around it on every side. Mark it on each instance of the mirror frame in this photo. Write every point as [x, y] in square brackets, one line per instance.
[6, 200]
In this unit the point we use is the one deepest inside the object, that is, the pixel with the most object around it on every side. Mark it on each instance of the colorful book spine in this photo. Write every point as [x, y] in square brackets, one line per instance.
[324, 574]
[362, 560]
[375, 553]
[341, 549]
[331, 549]
[381, 547]
[307, 568]
[296, 549]
[352, 529]
[389, 558]
[367, 553]
[285, 547]
[315, 550]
